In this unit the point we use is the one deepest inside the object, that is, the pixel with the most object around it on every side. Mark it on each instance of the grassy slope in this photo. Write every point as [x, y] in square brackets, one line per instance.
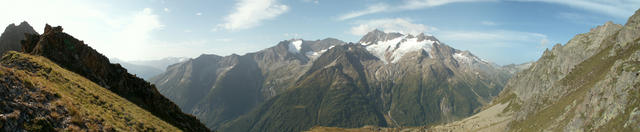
[87, 100]
[590, 71]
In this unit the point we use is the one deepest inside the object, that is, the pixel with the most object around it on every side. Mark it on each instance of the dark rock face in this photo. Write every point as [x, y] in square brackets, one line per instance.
[377, 35]
[10, 39]
[74, 55]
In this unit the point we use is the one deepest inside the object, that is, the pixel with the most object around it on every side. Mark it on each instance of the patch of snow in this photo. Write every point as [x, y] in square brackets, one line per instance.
[462, 58]
[364, 43]
[314, 55]
[295, 46]
[411, 45]
[467, 59]
[397, 47]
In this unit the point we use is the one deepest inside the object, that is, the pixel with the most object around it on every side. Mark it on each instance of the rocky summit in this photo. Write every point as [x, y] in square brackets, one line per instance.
[73, 55]
[10, 38]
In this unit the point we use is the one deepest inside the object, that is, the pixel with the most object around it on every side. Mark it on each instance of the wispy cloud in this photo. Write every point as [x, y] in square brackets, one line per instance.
[312, 1]
[407, 5]
[495, 38]
[250, 13]
[418, 4]
[488, 23]
[224, 39]
[166, 10]
[199, 14]
[380, 7]
[500, 46]
[100, 27]
[615, 8]
[391, 25]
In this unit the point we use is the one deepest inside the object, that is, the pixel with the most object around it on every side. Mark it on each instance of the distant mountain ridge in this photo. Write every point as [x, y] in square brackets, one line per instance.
[236, 82]
[395, 74]
[143, 71]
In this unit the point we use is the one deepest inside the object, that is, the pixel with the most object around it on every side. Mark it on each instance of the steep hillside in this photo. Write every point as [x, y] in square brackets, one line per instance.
[590, 84]
[73, 55]
[38, 95]
[10, 38]
[390, 80]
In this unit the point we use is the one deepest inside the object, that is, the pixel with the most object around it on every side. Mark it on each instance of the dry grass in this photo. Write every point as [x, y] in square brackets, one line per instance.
[90, 105]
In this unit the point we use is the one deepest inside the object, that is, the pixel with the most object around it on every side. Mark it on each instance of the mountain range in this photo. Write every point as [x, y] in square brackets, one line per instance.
[387, 79]
[591, 83]
[146, 69]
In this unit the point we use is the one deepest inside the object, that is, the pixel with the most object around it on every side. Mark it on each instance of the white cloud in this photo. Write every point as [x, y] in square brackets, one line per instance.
[117, 34]
[495, 38]
[488, 23]
[166, 10]
[615, 8]
[224, 39]
[199, 14]
[391, 25]
[250, 13]
[500, 46]
[544, 42]
[312, 1]
[380, 7]
[407, 5]
[417, 4]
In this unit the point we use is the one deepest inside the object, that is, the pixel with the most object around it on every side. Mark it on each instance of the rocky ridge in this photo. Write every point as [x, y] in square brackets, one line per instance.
[72, 54]
[39, 95]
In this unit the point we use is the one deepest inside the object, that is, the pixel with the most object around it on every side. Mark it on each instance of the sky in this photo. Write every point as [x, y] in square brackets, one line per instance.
[501, 31]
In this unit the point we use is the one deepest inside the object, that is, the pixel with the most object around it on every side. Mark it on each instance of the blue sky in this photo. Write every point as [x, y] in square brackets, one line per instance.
[502, 31]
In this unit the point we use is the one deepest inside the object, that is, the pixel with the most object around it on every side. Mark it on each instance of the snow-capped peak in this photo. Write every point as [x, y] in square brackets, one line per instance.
[392, 49]
[467, 58]
[295, 46]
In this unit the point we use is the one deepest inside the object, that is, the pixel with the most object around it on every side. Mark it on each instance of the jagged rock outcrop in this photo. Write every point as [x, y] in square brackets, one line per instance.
[72, 54]
[10, 38]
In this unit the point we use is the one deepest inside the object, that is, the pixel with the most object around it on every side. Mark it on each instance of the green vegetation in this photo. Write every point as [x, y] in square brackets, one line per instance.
[88, 104]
